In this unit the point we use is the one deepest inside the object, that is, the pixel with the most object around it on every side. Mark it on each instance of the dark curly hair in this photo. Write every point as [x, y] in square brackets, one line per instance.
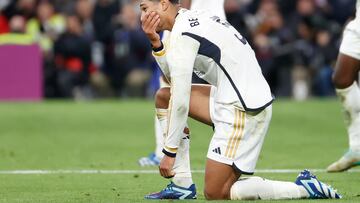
[172, 1]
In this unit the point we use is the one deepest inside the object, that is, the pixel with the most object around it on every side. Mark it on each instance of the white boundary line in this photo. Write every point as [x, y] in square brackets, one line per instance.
[44, 172]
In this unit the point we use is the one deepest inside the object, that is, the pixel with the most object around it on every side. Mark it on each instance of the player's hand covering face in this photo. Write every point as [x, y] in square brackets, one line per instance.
[150, 21]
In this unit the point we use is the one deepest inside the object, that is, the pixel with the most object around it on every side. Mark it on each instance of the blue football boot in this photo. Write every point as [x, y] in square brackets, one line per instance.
[315, 188]
[173, 191]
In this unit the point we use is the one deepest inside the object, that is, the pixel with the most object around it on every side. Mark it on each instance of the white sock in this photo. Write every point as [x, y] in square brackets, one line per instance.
[182, 164]
[350, 99]
[160, 130]
[181, 168]
[255, 188]
[159, 138]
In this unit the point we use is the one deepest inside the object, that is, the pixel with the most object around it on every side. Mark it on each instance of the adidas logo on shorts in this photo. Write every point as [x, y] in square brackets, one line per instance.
[217, 150]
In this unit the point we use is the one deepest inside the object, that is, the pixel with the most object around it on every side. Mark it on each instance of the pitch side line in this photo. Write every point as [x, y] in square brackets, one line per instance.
[43, 172]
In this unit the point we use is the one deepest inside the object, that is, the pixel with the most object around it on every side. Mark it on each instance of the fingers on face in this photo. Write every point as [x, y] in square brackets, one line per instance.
[150, 19]
[155, 22]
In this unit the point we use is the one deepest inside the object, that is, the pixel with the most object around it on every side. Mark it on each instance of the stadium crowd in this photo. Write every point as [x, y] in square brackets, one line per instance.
[96, 48]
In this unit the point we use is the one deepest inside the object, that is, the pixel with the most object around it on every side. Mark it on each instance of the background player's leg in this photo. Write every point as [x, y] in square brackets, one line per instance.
[345, 80]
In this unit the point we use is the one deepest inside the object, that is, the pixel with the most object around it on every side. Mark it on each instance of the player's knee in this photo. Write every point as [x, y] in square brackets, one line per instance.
[162, 98]
[216, 193]
[341, 82]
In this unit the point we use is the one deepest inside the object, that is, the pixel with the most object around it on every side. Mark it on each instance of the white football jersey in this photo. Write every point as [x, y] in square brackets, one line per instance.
[217, 53]
[213, 6]
[354, 25]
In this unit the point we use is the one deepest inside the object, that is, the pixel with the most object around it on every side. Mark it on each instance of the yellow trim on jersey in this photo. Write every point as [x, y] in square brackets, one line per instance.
[233, 133]
[171, 150]
[159, 53]
[161, 114]
[241, 134]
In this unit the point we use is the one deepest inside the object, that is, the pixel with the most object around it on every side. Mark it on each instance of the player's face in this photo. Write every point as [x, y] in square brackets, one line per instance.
[147, 7]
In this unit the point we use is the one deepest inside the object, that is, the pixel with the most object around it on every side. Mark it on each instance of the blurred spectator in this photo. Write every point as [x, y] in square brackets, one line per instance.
[132, 53]
[322, 63]
[103, 22]
[73, 58]
[47, 26]
[105, 11]
[17, 33]
[63, 6]
[25, 8]
[84, 9]
[341, 10]
[271, 38]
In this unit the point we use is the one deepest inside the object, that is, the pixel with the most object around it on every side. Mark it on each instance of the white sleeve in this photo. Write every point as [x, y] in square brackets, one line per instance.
[160, 57]
[181, 61]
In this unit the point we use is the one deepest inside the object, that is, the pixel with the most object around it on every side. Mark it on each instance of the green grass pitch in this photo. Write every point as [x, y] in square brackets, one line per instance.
[112, 135]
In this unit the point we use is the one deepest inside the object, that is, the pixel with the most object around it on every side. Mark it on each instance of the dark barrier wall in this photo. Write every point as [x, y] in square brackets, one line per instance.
[20, 73]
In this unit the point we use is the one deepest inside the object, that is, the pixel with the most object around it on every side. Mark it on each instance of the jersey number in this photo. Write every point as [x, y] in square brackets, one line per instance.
[194, 22]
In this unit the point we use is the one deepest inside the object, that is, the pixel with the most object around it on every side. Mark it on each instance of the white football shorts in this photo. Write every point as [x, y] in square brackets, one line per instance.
[350, 44]
[238, 135]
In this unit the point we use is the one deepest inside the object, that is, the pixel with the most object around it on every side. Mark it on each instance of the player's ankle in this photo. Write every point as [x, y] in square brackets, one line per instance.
[184, 182]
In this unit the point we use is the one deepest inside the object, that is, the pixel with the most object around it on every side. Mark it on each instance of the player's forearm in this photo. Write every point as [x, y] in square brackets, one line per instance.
[160, 57]
[178, 113]
[180, 60]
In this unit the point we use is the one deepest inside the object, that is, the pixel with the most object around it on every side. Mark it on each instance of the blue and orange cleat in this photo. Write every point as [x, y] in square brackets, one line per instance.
[315, 188]
[173, 191]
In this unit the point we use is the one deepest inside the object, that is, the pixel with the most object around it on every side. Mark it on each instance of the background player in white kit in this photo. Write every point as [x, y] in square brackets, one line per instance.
[237, 103]
[345, 79]
[214, 6]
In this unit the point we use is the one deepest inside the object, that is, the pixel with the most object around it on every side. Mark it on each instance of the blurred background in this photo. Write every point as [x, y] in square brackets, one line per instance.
[88, 49]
